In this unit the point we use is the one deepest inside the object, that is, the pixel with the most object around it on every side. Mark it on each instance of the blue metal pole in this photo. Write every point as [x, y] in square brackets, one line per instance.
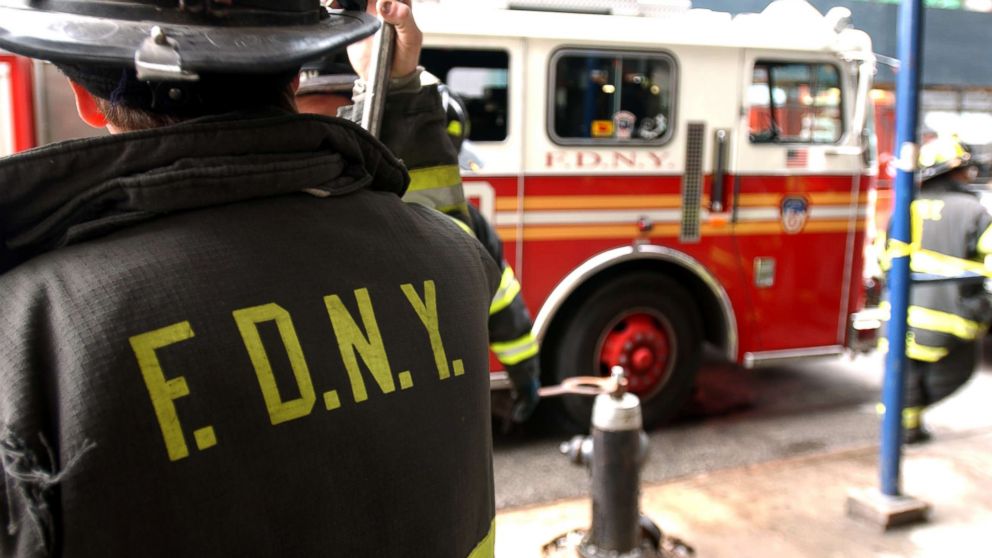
[907, 115]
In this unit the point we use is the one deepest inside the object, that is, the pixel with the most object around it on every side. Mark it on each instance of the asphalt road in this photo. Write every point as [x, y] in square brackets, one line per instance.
[742, 417]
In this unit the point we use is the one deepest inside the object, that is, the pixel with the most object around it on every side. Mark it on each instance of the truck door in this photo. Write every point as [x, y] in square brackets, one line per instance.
[799, 195]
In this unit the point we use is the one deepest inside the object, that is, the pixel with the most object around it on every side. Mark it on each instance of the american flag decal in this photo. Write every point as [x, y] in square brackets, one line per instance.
[796, 158]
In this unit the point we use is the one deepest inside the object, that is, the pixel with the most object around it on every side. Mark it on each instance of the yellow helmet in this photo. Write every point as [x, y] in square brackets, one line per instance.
[941, 156]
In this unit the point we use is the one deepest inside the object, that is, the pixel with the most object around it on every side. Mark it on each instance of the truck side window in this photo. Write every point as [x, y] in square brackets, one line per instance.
[795, 103]
[611, 97]
[481, 79]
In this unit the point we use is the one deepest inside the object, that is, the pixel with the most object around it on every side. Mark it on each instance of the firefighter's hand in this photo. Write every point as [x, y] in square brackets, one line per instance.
[409, 39]
[525, 400]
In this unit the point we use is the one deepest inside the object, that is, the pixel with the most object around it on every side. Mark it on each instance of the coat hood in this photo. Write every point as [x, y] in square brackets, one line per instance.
[66, 192]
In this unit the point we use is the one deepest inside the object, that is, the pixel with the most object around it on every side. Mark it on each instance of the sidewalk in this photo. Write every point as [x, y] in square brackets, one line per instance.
[796, 507]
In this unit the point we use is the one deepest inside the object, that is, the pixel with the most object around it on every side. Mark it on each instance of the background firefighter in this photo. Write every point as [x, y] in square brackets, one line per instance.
[951, 236]
[419, 114]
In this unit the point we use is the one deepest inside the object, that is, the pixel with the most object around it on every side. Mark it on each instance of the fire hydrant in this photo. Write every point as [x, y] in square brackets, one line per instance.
[614, 453]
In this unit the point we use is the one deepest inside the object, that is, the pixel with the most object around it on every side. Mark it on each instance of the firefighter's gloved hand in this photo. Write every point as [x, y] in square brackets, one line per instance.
[525, 399]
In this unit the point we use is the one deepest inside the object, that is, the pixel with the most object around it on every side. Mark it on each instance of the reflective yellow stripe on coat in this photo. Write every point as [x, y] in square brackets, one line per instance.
[941, 322]
[928, 261]
[461, 224]
[508, 290]
[985, 242]
[516, 351]
[487, 546]
[916, 351]
[910, 415]
[439, 187]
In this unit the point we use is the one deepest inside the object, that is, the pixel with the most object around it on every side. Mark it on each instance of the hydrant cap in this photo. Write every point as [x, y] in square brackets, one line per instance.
[612, 414]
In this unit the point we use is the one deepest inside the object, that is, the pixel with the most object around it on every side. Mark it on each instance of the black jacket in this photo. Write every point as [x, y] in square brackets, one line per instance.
[951, 230]
[198, 358]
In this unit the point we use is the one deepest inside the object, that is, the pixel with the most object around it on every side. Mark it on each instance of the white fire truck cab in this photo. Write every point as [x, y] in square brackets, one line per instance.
[665, 177]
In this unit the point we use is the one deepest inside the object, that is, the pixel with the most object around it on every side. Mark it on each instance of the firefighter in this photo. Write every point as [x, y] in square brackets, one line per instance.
[222, 332]
[510, 325]
[951, 235]
[326, 87]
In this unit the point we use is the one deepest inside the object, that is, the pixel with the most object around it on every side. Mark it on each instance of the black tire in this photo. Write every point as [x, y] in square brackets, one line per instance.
[670, 307]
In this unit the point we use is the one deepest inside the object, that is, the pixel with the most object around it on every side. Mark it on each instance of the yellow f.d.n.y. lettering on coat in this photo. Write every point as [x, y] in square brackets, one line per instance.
[280, 410]
[426, 309]
[353, 342]
[164, 392]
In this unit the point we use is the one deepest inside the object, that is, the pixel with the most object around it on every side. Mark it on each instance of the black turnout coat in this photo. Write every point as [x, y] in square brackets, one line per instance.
[231, 337]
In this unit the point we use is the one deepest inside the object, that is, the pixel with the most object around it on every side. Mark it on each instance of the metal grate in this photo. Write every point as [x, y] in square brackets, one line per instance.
[692, 182]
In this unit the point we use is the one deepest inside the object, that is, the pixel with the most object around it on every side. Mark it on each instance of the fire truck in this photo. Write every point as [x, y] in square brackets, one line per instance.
[663, 178]
[666, 178]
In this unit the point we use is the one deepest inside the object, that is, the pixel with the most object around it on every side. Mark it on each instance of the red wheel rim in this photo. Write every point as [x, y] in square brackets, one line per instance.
[643, 343]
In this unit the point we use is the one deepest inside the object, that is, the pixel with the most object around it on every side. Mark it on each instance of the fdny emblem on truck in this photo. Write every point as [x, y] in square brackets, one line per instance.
[795, 210]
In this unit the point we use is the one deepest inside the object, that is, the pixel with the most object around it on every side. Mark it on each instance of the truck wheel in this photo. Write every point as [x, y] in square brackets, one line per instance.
[646, 323]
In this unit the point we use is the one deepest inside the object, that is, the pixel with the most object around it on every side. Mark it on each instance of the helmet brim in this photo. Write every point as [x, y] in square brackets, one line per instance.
[940, 169]
[68, 37]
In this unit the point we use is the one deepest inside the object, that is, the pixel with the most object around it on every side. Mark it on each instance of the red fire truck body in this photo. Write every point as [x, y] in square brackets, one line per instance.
[660, 181]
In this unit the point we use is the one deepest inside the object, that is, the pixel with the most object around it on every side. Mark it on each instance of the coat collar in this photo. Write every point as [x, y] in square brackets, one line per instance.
[63, 193]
